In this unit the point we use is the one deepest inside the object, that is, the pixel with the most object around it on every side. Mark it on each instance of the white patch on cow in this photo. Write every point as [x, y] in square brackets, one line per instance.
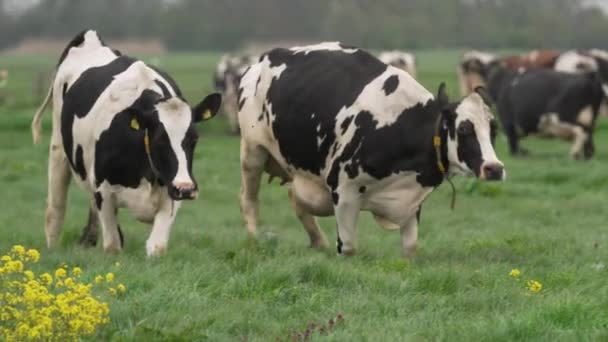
[574, 62]
[386, 109]
[327, 46]
[585, 116]
[605, 89]
[175, 115]
[473, 109]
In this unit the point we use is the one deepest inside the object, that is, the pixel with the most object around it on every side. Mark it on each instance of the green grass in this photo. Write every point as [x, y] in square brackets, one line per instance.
[548, 219]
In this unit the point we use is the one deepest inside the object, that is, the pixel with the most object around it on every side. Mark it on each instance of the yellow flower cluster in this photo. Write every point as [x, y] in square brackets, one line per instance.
[532, 285]
[46, 307]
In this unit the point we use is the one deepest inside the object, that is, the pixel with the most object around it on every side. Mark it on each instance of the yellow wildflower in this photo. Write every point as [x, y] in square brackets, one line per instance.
[6, 258]
[99, 279]
[534, 286]
[46, 279]
[515, 273]
[29, 274]
[112, 291]
[69, 282]
[18, 250]
[76, 271]
[33, 255]
[121, 288]
[60, 273]
[110, 277]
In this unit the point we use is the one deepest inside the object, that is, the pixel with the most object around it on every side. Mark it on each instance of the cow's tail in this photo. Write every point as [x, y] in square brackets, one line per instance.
[37, 120]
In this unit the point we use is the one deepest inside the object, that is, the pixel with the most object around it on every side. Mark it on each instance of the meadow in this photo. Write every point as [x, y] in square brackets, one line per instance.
[547, 219]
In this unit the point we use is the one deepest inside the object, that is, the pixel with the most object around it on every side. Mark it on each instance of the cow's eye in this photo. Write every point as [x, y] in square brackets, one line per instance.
[465, 128]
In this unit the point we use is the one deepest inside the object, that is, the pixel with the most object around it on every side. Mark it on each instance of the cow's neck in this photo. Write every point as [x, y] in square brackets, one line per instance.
[435, 165]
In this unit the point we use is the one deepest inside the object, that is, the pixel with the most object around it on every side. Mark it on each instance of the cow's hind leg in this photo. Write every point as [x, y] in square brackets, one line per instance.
[317, 238]
[90, 232]
[59, 175]
[253, 159]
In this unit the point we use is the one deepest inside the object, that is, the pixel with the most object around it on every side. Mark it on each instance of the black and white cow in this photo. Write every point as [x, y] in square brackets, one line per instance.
[350, 133]
[226, 80]
[400, 59]
[128, 136]
[471, 70]
[548, 103]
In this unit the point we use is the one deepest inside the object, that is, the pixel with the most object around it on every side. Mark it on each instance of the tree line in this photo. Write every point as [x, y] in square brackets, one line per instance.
[382, 24]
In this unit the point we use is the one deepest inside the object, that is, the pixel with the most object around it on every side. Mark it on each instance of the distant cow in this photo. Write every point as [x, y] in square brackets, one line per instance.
[226, 79]
[472, 71]
[548, 103]
[401, 60]
[350, 133]
[128, 136]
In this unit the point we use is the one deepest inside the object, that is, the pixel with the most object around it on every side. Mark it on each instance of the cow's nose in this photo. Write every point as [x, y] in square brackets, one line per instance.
[492, 171]
[186, 190]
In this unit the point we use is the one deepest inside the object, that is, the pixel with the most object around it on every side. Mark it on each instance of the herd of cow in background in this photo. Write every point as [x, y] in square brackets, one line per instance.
[346, 131]
[544, 92]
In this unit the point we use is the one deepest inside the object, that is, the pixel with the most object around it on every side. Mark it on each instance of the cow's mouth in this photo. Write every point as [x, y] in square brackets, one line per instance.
[492, 172]
[177, 194]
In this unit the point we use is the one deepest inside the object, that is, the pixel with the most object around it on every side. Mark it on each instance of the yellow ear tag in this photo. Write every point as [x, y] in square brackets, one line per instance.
[134, 124]
[207, 114]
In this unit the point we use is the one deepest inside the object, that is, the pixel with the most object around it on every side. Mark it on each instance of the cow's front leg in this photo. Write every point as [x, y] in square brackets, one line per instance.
[347, 211]
[161, 228]
[409, 235]
[107, 211]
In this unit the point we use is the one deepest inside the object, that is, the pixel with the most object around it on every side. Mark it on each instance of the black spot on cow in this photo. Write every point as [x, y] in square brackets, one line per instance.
[120, 156]
[335, 197]
[163, 88]
[79, 163]
[83, 94]
[98, 200]
[257, 83]
[346, 123]
[410, 141]
[339, 245]
[308, 95]
[362, 189]
[64, 90]
[469, 150]
[391, 84]
[170, 80]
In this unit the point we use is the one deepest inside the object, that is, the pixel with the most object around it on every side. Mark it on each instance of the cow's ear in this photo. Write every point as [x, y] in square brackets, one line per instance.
[483, 93]
[207, 108]
[442, 96]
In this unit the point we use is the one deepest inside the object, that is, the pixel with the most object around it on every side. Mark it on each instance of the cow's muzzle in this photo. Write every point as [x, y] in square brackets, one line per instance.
[492, 171]
[183, 191]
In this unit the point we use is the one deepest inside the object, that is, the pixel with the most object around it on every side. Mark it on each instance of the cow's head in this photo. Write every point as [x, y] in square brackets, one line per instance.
[471, 131]
[170, 140]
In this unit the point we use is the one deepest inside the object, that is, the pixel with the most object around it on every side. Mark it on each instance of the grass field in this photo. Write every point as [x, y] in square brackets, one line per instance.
[548, 220]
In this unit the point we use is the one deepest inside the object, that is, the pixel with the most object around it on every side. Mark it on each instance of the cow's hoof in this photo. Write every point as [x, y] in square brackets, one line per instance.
[348, 253]
[88, 240]
[113, 249]
[320, 244]
[155, 250]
